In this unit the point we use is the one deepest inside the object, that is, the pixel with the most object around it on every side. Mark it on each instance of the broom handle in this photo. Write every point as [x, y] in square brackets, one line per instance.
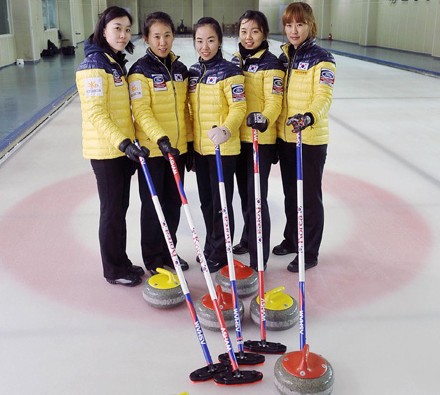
[301, 251]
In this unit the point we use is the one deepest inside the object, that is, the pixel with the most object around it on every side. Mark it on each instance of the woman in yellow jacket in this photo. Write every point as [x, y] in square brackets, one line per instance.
[218, 107]
[158, 90]
[264, 93]
[107, 133]
[310, 76]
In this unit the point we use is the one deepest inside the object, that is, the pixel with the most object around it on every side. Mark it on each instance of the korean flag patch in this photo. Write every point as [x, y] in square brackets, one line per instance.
[211, 80]
[253, 68]
[303, 66]
[178, 77]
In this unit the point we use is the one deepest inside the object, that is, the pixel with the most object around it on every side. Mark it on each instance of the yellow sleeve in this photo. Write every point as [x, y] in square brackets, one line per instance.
[273, 94]
[323, 90]
[236, 99]
[93, 89]
[141, 106]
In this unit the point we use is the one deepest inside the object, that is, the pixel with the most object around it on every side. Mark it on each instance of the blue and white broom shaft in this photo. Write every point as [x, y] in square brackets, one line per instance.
[229, 255]
[203, 263]
[172, 250]
[301, 250]
[259, 234]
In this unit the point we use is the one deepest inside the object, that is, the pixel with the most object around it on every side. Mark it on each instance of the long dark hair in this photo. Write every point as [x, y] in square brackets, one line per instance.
[108, 15]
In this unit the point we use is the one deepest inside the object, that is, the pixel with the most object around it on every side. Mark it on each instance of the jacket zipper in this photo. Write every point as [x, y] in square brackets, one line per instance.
[198, 108]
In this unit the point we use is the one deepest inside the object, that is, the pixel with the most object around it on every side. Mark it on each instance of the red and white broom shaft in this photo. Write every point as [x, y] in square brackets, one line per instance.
[203, 263]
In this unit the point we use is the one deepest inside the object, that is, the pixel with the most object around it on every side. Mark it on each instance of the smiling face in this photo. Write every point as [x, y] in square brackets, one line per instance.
[118, 33]
[206, 42]
[251, 35]
[160, 39]
[297, 32]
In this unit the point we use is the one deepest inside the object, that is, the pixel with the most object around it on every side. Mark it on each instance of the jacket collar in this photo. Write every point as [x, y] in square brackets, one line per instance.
[288, 48]
[217, 58]
[253, 53]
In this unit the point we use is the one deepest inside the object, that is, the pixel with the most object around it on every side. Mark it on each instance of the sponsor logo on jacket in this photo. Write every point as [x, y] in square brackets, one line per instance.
[192, 84]
[117, 78]
[238, 93]
[277, 86]
[135, 88]
[327, 77]
[159, 83]
[93, 86]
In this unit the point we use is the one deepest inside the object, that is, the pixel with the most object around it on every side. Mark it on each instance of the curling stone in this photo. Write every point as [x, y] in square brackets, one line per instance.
[281, 310]
[163, 290]
[303, 372]
[207, 315]
[246, 279]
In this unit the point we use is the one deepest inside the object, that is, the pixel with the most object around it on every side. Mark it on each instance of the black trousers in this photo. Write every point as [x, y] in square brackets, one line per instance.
[314, 157]
[246, 190]
[208, 186]
[113, 177]
[154, 248]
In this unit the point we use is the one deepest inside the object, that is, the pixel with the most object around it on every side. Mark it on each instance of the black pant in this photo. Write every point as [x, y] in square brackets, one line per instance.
[314, 157]
[154, 248]
[208, 186]
[113, 177]
[246, 189]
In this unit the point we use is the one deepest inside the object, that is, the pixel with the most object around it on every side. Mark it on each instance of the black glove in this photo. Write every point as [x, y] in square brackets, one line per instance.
[300, 121]
[133, 152]
[256, 120]
[190, 160]
[165, 147]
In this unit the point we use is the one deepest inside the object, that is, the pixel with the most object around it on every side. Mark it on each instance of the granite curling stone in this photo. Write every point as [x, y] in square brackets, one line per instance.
[163, 290]
[207, 315]
[246, 279]
[281, 310]
[303, 372]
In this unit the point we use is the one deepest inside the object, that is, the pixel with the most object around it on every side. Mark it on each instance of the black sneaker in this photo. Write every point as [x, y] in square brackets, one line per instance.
[129, 280]
[283, 249]
[294, 266]
[137, 270]
[183, 264]
[214, 266]
[240, 249]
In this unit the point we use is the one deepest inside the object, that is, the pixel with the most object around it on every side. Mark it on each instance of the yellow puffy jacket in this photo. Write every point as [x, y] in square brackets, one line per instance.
[308, 88]
[105, 103]
[159, 101]
[263, 81]
[217, 97]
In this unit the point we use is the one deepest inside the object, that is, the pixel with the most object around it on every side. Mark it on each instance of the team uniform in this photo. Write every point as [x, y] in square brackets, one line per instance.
[217, 97]
[308, 89]
[264, 76]
[158, 92]
[106, 122]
